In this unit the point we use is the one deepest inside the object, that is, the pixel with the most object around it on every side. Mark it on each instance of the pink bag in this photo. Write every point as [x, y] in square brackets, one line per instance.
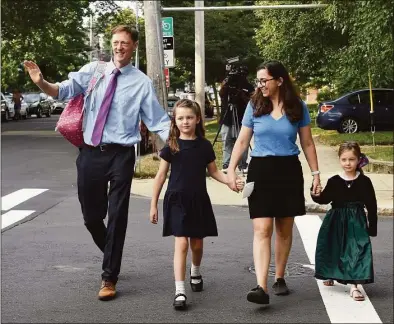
[71, 119]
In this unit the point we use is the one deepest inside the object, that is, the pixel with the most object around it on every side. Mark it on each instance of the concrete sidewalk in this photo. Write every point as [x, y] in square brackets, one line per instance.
[328, 165]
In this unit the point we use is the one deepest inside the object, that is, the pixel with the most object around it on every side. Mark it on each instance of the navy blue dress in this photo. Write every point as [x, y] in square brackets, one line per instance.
[187, 209]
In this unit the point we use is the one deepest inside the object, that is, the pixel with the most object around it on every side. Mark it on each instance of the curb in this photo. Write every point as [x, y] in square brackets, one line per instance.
[310, 207]
[316, 208]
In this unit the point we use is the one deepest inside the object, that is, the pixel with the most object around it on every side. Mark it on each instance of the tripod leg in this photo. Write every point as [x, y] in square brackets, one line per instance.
[220, 127]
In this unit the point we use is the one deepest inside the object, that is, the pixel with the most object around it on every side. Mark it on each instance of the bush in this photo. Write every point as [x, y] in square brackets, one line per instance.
[325, 94]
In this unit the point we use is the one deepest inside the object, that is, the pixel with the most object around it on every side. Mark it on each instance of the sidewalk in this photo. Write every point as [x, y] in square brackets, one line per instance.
[328, 165]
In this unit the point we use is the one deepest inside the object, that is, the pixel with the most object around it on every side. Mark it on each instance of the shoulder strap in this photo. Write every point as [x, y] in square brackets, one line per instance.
[100, 68]
[97, 75]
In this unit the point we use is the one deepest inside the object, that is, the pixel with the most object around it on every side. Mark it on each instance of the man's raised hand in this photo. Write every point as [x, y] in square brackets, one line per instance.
[34, 71]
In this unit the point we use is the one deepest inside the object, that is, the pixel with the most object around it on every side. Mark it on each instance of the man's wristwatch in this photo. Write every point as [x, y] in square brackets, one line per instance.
[315, 173]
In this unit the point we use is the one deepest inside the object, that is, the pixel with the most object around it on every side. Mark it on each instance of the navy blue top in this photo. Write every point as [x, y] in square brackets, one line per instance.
[189, 165]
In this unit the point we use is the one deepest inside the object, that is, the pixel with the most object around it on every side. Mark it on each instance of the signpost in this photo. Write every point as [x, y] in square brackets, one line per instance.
[168, 41]
[167, 77]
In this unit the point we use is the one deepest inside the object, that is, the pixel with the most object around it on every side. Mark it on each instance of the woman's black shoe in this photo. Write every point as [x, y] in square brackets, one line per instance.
[196, 287]
[179, 304]
[280, 287]
[258, 295]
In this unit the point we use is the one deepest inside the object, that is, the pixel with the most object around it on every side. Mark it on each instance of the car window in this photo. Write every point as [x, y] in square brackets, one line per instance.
[364, 97]
[354, 100]
[383, 97]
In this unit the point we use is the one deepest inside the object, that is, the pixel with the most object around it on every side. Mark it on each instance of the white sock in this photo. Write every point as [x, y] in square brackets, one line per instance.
[195, 272]
[180, 289]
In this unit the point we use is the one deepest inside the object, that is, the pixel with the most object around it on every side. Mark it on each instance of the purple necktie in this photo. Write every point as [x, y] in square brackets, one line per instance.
[104, 109]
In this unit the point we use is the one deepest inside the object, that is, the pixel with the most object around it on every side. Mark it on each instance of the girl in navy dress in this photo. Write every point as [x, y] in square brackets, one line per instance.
[187, 209]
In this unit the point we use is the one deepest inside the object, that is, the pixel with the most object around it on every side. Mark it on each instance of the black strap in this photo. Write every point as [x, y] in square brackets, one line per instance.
[196, 277]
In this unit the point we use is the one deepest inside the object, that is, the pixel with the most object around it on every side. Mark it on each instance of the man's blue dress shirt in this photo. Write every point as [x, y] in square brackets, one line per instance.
[134, 99]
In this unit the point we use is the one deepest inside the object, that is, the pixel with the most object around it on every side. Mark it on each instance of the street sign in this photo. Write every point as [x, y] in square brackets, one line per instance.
[169, 58]
[167, 76]
[168, 43]
[167, 26]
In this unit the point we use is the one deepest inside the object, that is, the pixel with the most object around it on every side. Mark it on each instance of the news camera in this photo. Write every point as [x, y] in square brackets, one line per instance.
[235, 73]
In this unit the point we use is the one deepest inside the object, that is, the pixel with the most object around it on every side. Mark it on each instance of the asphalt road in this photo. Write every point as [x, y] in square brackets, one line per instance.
[51, 268]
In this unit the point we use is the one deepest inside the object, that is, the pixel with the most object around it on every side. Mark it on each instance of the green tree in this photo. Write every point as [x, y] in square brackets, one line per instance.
[48, 32]
[334, 46]
[368, 28]
[227, 34]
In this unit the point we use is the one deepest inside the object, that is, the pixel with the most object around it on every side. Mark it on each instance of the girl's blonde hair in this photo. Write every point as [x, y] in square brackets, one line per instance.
[174, 131]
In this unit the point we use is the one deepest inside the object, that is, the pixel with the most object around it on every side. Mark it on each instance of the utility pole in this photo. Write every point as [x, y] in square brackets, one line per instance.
[137, 57]
[155, 54]
[199, 56]
[91, 38]
[154, 48]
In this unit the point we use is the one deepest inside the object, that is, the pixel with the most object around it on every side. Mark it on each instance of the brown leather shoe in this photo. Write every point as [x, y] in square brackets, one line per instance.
[107, 290]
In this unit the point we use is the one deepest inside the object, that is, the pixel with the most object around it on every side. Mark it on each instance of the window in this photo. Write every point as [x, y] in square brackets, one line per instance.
[354, 99]
[383, 98]
[364, 97]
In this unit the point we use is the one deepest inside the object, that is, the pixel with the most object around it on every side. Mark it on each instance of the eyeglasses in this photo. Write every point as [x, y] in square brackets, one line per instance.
[122, 44]
[262, 82]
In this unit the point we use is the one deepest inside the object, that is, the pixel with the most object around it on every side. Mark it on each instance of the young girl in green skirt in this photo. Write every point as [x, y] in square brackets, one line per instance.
[343, 250]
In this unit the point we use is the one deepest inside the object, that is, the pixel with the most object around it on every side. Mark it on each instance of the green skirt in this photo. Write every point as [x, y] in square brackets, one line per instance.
[343, 249]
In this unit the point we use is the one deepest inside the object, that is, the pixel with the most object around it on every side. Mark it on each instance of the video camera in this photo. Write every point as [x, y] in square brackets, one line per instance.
[235, 73]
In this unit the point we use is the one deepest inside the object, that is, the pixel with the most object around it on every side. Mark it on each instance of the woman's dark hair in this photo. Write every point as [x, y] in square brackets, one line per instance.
[288, 95]
[174, 131]
[355, 148]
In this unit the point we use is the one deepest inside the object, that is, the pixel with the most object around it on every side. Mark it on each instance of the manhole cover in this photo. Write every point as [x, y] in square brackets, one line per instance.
[292, 270]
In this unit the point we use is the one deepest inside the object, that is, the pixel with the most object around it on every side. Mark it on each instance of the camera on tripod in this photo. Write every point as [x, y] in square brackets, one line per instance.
[235, 76]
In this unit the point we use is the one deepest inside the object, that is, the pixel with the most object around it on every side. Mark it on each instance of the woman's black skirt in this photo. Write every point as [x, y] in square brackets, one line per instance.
[278, 187]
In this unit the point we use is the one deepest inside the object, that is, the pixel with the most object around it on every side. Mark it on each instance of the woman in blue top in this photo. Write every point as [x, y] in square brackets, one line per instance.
[274, 116]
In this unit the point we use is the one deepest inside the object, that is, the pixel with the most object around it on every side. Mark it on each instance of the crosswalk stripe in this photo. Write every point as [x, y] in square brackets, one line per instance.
[17, 197]
[14, 216]
[340, 307]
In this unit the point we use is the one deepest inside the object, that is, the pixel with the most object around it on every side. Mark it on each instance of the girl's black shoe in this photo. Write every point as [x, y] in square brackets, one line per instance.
[196, 287]
[179, 304]
[258, 295]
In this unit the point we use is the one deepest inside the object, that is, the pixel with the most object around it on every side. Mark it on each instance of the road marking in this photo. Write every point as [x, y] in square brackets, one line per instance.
[14, 216]
[340, 307]
[17, 197]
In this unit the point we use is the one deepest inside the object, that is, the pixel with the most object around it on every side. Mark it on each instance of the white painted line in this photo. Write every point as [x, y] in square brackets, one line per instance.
[17, 197]
[14, 216]
[340, 307]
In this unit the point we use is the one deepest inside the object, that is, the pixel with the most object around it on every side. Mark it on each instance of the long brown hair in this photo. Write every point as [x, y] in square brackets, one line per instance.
[355, 148]
[174, 131]
[292, 104]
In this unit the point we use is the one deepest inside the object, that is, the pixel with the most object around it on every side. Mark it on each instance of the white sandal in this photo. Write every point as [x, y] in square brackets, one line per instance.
[358, 297]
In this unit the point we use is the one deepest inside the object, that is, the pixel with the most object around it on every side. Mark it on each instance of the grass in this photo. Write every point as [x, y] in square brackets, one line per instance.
[381, 153]
[148, 166]
[384, 140]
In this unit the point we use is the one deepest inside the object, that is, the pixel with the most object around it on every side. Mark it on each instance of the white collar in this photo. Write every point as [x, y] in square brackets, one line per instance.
[343, 176]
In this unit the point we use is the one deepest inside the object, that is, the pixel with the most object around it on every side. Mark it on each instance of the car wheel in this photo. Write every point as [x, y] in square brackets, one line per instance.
[48, 114]
[349, 126]
[39, 114]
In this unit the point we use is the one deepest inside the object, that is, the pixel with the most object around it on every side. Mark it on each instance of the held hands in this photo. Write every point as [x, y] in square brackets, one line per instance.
[234, 182]
[240, 183]
[34, 71]
[316, 188]
[154, 215]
